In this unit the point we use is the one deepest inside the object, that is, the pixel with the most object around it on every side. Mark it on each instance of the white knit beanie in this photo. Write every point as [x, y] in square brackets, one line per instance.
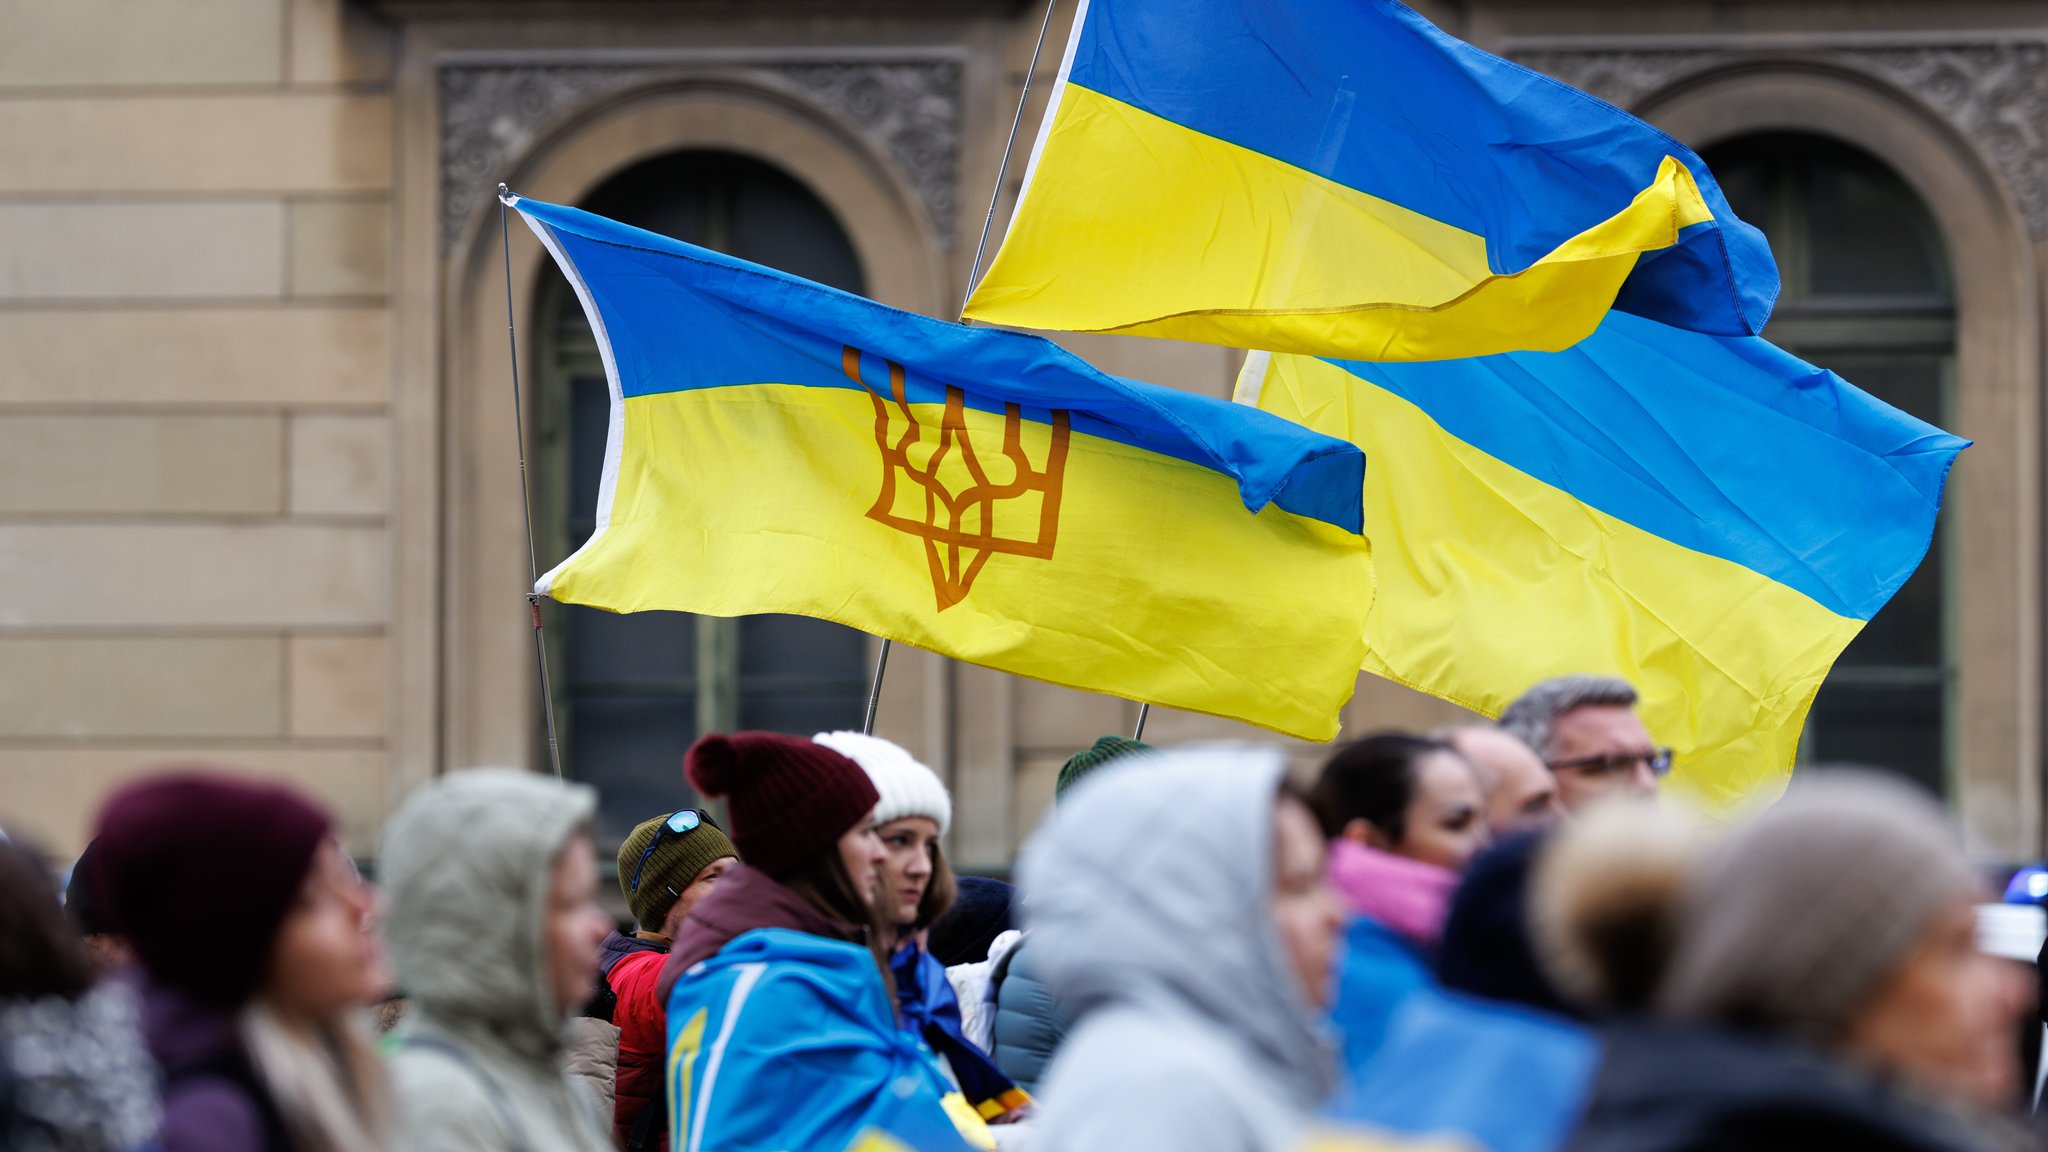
[908, 788]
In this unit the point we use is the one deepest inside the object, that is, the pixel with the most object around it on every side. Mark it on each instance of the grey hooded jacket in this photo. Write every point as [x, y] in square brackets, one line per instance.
[467, 867]
[1149, 899]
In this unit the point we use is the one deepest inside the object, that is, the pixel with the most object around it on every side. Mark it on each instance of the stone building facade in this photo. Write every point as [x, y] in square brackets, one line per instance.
[260, 496]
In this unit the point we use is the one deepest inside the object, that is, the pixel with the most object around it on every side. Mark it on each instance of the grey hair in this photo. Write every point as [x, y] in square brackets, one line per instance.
[1533, 717]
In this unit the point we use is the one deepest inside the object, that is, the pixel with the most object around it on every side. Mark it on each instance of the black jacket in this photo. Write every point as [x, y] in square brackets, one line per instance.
[1671, 1088]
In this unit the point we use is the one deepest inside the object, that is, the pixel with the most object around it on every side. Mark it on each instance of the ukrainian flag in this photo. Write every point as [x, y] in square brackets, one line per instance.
[779, 446]
[1710, 518]
[1340, 178]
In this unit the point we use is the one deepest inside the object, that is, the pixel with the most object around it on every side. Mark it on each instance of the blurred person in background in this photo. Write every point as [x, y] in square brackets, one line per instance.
[105, 947]
[911, 818]
[782, 1025]
[970, 938]
[254, 934]
[1480, 1053]
[1487, 950]
[74, 1074]
[1520, 790]
[1404, 815]
[1178, 908]
[983, 910]
[1412, 819]
[666, 865]
[1026, 1024]
[494, 925]
[1586, 730]
[1808, 978]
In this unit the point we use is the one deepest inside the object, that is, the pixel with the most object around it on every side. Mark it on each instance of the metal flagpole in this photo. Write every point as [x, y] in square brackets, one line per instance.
[1144, 710]
[1009, 146]
[973, 272]
[867, 724]
[540, 647]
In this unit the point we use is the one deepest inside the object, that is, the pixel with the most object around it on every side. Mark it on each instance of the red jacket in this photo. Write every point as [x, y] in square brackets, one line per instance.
[643, 1041]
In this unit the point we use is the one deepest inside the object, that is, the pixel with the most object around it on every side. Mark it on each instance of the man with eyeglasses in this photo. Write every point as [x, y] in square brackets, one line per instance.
[1586, 729]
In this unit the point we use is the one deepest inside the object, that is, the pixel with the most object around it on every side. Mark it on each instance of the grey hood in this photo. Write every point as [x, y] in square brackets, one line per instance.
[467, 866]
[1151, 885]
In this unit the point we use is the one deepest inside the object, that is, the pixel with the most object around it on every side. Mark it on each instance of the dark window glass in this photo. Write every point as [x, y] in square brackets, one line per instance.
[1890, 726]
[1871, 236]
[632, 692]
[629, 745]
[1867, 293]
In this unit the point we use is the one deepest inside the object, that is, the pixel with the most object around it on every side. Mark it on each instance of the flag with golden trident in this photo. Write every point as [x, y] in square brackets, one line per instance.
[779, 446]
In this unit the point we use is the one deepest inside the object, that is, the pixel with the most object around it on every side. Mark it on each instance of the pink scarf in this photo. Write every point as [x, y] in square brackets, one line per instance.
[1408, 896]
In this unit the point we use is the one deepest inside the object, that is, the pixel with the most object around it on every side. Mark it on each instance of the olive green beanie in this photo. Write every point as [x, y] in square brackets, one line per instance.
[674, 864]
[1095, 756]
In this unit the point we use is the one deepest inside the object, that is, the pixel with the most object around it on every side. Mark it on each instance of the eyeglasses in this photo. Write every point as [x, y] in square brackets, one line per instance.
[678, 823]
[1658, 760]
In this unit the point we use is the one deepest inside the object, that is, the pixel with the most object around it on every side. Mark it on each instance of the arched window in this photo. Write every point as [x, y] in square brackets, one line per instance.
[1867, 293]
[632, 692]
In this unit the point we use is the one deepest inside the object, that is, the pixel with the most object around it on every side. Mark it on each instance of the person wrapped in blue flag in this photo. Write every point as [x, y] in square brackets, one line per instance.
[782, 1031]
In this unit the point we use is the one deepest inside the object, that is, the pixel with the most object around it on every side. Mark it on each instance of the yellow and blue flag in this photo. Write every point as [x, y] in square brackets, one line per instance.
[779, 446]
[1341, 178]
[785, 1041]
[1710, 518]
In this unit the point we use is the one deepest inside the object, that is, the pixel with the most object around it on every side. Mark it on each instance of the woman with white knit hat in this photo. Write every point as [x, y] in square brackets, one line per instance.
[916, 889]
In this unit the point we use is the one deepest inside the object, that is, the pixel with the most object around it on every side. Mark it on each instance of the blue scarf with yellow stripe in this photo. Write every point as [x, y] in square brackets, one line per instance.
[931, 1012]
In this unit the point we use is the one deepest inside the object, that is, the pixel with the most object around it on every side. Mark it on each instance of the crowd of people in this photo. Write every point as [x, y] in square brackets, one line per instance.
[1497, 936]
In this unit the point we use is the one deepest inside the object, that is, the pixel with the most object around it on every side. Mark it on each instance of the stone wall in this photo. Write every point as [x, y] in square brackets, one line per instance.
[258, 500]
[195, 367]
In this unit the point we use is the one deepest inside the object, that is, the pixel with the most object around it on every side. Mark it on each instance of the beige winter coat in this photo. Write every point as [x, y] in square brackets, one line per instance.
[479, 1065]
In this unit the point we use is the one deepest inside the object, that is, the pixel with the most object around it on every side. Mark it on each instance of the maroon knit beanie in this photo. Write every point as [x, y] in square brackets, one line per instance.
[790, 800]
[198, 871]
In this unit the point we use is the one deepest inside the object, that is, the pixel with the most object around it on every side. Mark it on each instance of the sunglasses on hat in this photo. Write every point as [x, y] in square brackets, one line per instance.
[682, 821]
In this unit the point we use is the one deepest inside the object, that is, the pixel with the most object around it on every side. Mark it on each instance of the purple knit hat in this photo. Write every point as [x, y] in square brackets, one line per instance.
[790, 799]
[198, 870]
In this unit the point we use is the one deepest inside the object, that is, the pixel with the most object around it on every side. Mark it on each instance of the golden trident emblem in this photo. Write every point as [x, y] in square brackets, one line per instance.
[961, 491]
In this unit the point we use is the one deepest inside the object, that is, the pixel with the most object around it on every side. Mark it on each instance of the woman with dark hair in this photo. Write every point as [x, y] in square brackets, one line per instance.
[1404, 815]
[782, 1028]
[917, 888]
[1411, 796]
[71, 1057]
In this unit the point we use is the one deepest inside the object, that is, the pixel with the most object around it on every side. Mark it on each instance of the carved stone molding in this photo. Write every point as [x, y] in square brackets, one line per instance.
[490, 113]
[1994, 91]
[1620, 76]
